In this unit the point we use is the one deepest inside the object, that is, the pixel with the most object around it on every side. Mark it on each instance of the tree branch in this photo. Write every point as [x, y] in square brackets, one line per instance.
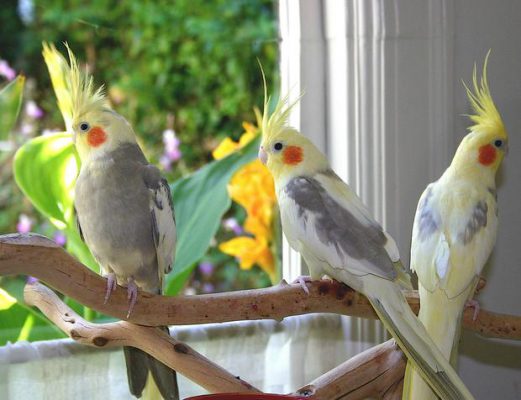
[40, 257]
[161, 346]
[375, 373]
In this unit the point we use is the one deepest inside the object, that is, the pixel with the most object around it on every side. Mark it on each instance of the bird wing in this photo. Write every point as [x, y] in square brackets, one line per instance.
[163, 219]
[335, 226]
[454, 232]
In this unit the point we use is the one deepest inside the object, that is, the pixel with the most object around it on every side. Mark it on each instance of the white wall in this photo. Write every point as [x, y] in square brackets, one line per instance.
[384, 99]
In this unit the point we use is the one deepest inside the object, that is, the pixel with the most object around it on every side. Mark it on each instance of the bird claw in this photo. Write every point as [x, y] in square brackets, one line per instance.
[111, 286]
[302, 280]
[475, 305]
[131, 295]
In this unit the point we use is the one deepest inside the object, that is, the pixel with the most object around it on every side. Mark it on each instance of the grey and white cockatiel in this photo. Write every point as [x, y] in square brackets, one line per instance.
[124, 206]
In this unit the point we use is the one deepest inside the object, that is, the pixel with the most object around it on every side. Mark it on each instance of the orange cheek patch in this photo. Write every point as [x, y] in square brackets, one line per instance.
[96, 136]
[487, 154]
[292, 155]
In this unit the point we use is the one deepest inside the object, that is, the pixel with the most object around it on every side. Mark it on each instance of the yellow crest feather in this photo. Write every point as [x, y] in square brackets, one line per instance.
[272, 125]
[486, 118]
[74, 88]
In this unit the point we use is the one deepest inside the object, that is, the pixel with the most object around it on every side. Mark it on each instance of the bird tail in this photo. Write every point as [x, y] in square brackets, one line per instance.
[412, 337]
[149, 376]
[441, 317]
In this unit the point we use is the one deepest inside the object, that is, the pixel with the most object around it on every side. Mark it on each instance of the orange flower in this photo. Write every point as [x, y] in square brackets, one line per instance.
[252, 187]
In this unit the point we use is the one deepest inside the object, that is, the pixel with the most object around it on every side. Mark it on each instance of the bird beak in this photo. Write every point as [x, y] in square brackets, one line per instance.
[263, 156]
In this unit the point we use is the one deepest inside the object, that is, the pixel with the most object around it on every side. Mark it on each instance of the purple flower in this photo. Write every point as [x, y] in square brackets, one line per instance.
[6, 71]
[231, 224]
[24, 224]
[206, 268]
[208, 288]
[165, 162]
[60, 238]
[173, 154]
[171, 142]
[32, 110]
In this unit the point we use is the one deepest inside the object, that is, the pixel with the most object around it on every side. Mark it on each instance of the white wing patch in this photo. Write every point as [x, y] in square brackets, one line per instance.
[165, 234]
[442, 257]
[391, 248]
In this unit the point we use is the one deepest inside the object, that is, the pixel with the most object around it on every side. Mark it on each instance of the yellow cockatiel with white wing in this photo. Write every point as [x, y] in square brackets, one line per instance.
[455, 229]
[329, 225]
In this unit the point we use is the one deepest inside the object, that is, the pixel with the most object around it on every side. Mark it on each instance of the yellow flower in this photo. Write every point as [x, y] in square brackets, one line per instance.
[252, 187]
[228, 146]
[250, 251]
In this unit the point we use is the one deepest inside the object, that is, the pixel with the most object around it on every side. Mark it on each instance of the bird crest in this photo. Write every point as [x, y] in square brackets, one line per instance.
[74, 88]
[273, 124]
[486, 117]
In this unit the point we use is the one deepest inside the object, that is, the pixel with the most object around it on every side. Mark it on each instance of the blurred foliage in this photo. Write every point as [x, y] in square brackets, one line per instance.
[185, 74]
[193, 59]
[10, 103]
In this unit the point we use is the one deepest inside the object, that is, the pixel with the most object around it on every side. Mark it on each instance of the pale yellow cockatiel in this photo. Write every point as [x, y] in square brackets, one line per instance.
[455, 229]
[329, 225]
[124, 207]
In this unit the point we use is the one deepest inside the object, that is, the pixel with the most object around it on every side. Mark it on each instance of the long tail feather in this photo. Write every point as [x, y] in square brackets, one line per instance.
[150, 377]
[441, 317]
[410, 334]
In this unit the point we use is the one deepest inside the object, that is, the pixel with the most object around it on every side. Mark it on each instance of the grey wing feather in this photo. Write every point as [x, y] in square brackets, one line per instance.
[78, 226]
[163, 219]
[336, 226]
[477, 221]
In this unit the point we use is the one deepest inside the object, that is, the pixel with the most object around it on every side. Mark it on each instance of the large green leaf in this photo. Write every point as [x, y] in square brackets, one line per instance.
[200, 201]
[10, 102]
[45, 168]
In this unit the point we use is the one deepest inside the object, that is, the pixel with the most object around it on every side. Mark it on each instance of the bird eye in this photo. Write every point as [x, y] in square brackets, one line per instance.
[278, 146]
[498, 143]
[84, 127]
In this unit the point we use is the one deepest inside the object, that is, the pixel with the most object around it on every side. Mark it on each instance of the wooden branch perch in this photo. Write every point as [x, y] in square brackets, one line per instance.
[41, 258]
[375, 373]
[177, 355]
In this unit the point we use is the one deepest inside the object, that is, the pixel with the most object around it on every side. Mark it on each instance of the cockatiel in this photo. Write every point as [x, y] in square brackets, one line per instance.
[328, 224]
[455, 229]
[124, 207]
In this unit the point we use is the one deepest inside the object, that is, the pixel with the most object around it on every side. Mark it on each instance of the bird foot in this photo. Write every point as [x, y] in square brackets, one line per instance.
[302, 280]
[111, 286]
[131, 295]
[475, 305]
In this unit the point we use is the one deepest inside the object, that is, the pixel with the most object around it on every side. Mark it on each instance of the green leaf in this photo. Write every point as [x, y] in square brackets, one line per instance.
[45, 169]
[20, 322]
[10, 103]
[200, 201]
